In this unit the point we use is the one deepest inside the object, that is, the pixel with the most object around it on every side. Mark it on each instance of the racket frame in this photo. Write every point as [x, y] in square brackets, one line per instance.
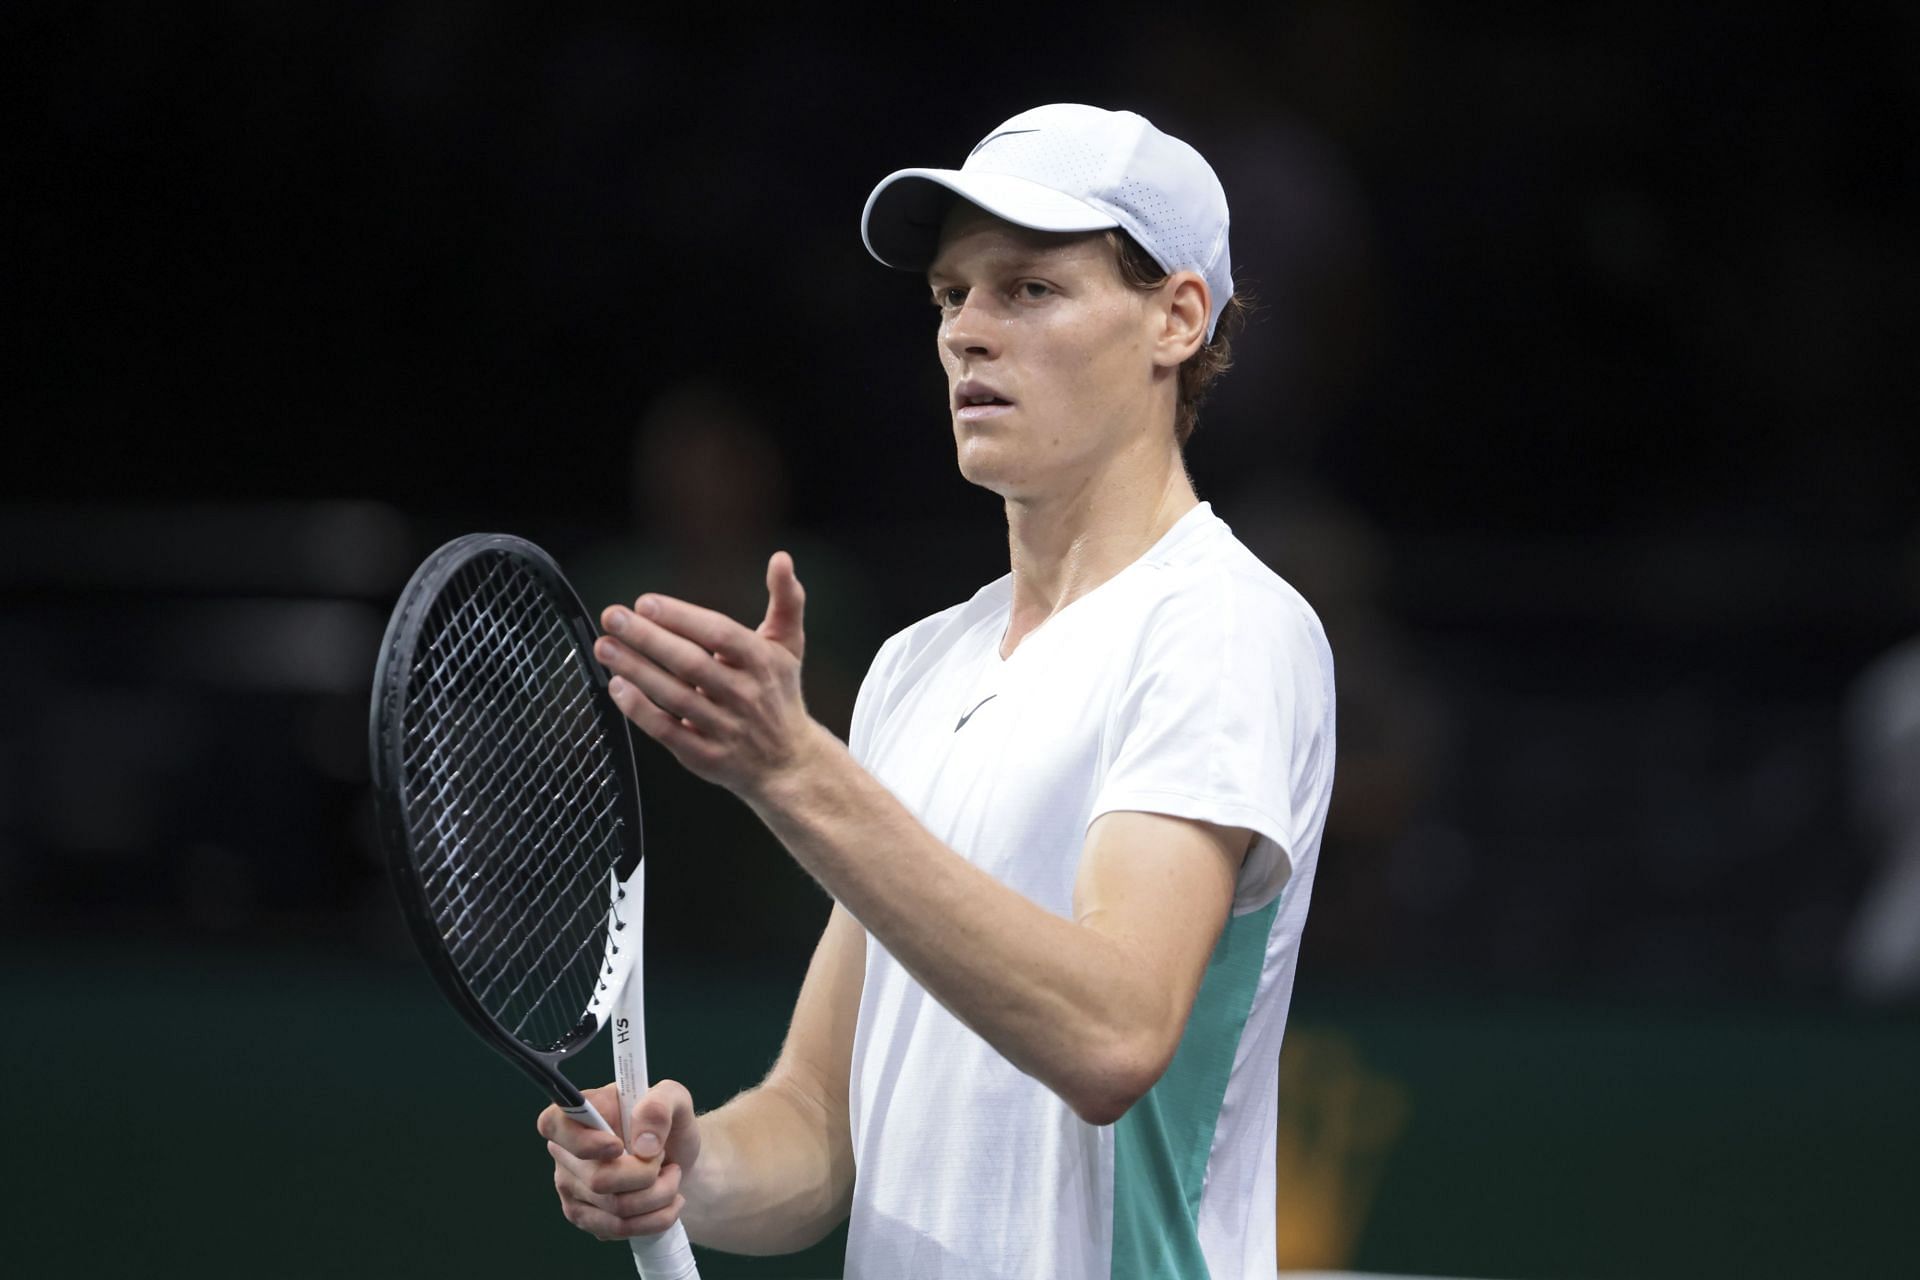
[617, 989]
[386, 751]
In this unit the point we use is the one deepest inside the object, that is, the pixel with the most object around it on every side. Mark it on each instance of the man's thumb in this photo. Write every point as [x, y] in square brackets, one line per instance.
[786, 605]
[652, 1121]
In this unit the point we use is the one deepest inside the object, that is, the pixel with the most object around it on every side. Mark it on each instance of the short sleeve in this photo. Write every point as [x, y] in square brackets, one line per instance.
[1226, 717]
[868, 702]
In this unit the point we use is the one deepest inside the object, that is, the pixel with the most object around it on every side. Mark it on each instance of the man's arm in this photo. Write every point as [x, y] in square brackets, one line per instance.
[776, 1169]
[1093, 1007]
[769, 1172]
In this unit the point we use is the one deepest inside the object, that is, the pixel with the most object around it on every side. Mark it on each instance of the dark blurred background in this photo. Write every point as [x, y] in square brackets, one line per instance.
[1579, 401]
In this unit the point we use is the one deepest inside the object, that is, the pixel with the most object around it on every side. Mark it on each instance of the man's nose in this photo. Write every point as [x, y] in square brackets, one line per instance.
[973, 331]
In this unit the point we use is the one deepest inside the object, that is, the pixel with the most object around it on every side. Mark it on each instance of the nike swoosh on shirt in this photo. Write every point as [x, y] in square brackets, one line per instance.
[976, 706]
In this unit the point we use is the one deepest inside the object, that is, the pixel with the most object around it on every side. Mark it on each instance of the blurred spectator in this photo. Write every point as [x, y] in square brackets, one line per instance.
[1882, 952]
[1390, 730]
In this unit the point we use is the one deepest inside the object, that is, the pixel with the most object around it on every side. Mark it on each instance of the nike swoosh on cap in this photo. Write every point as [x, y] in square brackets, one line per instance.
[1004, 133]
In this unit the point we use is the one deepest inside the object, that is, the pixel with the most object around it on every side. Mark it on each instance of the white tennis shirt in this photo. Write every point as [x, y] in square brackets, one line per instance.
[1194, 683]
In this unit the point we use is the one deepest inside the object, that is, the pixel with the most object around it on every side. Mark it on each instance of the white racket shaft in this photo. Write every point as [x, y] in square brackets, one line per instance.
[669, 1255]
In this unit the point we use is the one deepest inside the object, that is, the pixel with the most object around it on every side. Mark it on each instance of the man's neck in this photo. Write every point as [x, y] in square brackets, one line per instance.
[1064, 546]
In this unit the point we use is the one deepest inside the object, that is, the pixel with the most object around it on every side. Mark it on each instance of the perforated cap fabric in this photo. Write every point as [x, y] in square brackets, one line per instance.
[1068, 167]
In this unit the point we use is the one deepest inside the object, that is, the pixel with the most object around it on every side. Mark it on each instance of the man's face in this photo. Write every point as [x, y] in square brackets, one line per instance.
[1050, 370]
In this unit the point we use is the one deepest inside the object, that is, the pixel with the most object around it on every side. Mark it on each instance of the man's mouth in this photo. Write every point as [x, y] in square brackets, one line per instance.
[973, 400]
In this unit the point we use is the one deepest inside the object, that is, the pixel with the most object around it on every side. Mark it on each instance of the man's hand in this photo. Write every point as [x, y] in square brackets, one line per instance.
[724, 700]
[616, 1194]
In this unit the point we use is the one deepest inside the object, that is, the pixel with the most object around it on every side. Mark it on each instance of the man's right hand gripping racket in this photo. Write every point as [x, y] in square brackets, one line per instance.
[504, 785]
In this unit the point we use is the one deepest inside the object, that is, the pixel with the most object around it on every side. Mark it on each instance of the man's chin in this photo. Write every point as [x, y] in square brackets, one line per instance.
[980, 466]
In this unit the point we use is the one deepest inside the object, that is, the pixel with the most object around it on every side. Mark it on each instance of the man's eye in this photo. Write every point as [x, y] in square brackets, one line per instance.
[1033, 290]
[944, 298]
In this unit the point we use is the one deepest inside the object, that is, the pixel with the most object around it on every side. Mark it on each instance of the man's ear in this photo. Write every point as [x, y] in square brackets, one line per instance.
[1184, 307]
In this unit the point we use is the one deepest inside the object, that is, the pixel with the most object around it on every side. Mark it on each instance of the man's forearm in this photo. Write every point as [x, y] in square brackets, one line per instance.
[1076, 1009]
[775, 1173]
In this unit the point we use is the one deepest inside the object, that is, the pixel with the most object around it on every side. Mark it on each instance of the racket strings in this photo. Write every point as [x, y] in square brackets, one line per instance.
[523, 779]
[549, 795]
[496, 952]
[513, 800]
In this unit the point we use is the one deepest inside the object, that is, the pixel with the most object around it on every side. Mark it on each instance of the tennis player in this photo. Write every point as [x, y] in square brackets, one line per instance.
[1073, 836]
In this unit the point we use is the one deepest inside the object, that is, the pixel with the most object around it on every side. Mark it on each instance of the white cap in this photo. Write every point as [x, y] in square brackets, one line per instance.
[1068, 167]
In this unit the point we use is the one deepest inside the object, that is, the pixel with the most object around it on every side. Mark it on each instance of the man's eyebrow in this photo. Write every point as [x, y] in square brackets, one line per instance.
[1010, 263]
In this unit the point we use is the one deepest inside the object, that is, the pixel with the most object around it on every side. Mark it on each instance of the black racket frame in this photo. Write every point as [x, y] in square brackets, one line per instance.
[386, 753]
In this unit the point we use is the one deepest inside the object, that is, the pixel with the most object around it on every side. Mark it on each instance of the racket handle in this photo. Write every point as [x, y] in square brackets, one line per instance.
[667, 1256]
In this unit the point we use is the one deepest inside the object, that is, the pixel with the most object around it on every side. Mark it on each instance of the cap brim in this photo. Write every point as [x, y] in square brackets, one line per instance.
[901, 223]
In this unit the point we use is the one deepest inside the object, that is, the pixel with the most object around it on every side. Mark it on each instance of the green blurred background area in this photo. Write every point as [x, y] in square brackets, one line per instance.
[291, 1114]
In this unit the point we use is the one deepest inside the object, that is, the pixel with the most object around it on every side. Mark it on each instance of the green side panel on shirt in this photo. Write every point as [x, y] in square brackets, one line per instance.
[1160, 1146]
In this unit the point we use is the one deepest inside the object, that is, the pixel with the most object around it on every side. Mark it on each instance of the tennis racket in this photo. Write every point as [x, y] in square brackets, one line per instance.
[504, 785]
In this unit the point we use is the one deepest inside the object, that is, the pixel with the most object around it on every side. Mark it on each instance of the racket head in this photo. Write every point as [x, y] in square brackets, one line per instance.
[506, 798]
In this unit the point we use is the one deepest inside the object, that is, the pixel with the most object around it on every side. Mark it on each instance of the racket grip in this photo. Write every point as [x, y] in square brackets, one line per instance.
[667, 1256]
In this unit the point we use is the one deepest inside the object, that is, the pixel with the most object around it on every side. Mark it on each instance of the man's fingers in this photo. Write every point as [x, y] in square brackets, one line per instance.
[584, 1141]
[589, 1217]
[786, 606]
[597, 1181]
[675, 697]
[689, 747]
[652, 1224]
[605, 1099]
[603, 1225]
[633, 639]
[617, 1199]
[615, 1195]
[636, 1204]
[711, 631]
[606, 1227]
